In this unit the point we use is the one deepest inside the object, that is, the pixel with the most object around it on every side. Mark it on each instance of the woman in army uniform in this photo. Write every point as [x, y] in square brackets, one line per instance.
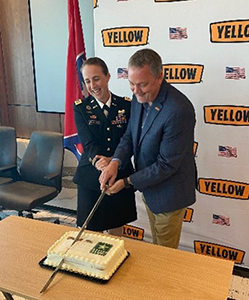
[101, 120]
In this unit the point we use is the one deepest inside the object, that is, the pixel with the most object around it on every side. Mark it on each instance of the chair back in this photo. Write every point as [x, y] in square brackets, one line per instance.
[8, 149]
[42, 158]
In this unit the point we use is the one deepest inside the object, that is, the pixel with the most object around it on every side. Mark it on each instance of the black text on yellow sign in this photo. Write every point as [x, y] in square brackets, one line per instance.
[183, 73]
[219, 251]
[195, 148]
[95, 3]
[230, 31]
[188, 215]
[133, 232]
[223, 188]
[227, 115]
[125, 36]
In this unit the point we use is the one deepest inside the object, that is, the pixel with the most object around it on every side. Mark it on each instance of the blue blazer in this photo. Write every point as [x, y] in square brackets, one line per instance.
[163, 150]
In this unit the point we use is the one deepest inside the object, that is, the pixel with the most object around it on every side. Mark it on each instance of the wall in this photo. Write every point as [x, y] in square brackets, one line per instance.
[50, 40]
[19, 77]
[17, 90]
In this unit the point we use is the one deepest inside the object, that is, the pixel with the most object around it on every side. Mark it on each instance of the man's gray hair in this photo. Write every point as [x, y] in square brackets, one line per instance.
[147, 57]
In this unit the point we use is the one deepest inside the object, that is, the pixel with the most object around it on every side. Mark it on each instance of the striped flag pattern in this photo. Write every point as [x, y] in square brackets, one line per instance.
[74, 81]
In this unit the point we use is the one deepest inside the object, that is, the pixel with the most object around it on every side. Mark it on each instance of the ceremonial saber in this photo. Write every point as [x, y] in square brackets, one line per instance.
[84, 226]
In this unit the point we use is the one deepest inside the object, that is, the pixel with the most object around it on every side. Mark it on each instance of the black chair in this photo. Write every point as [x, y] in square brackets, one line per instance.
[40, 174]
[8, 158]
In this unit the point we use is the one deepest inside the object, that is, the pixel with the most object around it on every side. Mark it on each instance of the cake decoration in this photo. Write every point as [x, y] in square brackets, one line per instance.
[94, 255]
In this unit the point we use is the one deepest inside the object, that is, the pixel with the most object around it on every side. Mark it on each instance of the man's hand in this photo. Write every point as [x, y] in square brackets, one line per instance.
[109, 174]
[102, 162]
[116, 187]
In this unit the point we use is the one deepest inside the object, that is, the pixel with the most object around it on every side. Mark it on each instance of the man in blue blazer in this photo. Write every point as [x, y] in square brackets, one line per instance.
[160, 135]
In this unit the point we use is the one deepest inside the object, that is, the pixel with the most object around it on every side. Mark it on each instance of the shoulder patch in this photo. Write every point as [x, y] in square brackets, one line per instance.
[78, 101]
[127, 99]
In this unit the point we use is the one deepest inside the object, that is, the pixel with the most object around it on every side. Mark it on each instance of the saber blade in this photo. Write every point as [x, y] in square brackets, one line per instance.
[84, 226]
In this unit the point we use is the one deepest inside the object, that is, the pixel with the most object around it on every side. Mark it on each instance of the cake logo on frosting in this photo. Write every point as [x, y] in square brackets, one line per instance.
[101, 248]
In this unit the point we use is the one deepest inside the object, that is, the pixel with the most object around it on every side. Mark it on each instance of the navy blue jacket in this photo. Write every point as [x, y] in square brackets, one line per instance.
[165, 168]
[99, 135]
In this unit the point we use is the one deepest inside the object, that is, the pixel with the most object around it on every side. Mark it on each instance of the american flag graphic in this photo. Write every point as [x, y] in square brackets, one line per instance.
[221, 220]
[235, 73]
[227, 151]
[178, 33]
[122, 73]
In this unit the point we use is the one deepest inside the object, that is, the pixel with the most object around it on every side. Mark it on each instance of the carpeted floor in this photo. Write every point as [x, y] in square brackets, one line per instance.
[47, 213]
[239, 289]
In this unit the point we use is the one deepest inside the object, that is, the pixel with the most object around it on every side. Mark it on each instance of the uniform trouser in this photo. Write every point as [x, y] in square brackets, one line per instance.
[166, 227]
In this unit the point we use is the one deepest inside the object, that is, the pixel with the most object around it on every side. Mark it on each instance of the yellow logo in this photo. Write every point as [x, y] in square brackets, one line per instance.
[195, 148]
[226, 115]
[223, 188]
[188, 215]
[133, 232]
[125, 36]
[183, 73]
[219, 251]
[230, 31]
[95, 3]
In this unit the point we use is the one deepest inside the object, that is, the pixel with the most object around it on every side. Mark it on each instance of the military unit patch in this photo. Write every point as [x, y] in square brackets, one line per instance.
[78, 101]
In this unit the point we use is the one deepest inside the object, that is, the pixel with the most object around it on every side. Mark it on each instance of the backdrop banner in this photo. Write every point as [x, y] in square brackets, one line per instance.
[204, 46]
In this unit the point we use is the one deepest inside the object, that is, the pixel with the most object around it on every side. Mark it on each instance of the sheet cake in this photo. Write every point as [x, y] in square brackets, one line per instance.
[93, 255]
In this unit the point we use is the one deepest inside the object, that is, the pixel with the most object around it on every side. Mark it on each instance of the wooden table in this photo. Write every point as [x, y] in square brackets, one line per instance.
[151, 272]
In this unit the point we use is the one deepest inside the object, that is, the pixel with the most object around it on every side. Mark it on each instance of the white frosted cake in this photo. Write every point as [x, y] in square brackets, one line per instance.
[93, 255]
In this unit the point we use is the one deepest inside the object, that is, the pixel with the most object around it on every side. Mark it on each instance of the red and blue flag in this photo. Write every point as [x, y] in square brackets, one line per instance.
[76, 55]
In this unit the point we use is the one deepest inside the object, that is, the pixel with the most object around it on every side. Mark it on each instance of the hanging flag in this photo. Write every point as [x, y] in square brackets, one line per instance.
[76, 55]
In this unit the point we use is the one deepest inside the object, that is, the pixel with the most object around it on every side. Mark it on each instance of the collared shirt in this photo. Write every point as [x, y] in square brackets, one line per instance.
[108, 103]
[146, 111]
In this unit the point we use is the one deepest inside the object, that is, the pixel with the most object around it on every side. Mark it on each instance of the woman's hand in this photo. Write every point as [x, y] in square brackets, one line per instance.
[108, 176]
[102, 162]
[116, 187]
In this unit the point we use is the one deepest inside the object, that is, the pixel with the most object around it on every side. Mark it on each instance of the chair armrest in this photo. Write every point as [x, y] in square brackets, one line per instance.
[8, 168]
[56, 177]
[52, 176]
[13, 170]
